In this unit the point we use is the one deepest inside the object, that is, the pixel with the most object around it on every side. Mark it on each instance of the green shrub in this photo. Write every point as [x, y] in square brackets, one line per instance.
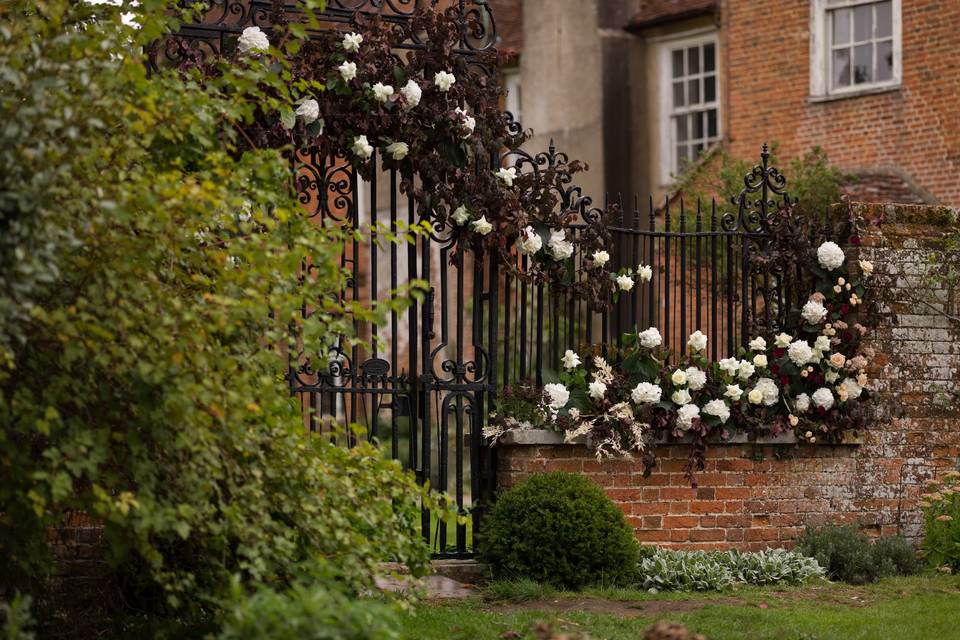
[848, 554]
[941, 522]
[309, 613]
[558, 528]
[16, 621]
[667, 570]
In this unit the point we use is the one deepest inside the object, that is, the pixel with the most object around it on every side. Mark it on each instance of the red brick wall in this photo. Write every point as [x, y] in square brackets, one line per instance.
[755, 496]
[915, 129]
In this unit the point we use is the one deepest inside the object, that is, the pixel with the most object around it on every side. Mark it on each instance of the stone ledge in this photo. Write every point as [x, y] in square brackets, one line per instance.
[544, 437]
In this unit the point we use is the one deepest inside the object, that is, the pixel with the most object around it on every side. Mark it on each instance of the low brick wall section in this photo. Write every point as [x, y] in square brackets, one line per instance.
[757, 496]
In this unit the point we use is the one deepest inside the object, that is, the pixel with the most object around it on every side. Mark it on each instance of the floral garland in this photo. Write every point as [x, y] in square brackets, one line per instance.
[811, 381]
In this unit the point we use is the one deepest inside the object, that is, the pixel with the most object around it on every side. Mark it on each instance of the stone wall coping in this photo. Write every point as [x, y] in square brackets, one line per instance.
[545, 437]
[922, 214]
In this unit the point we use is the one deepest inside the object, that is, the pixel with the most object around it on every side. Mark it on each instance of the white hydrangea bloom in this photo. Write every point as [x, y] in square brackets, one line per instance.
[253, 40]
[529, 241]
[556, 394]
[696, 379]
[769, 390]
[646, 393]
[444, 80]
[717, 408]
[686, 415]
[411, 93]
[697, 341]
[800, 352]
[570, 359]
[802, 403]
[308, 111]
[830, 255]
[813, 312]
[650, 338]
[822, 398]
[351, 42]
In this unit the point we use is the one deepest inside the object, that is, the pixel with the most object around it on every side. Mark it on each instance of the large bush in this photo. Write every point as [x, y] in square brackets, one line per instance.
[558, 528]
[848, 554]
[150, 265]
[941, 522]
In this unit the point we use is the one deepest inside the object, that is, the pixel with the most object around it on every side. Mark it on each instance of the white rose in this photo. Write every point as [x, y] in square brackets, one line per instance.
[830, 256]
[679, 377]
[645, 273]
[625, 282]
[529, 241]
[253, 40]
[382, 92]
[680, 396]
[697, 341]
[351, 42]
[733, 392]
[802, 403]
[650, 338]
[646, 393]
[769, 390]
[758, 344]
[730, 366]
[686, 414]
[308, 111]
[601, 258]
[866, 266]
[362, 148]
[444, 80]
[800, 352]
[557, 395]
[482, 226]
[852, 388]
[597, 390]
[570, 359]
[760, 360]
[559, 246]
[467, 123]
[398, 150]
[813, 312]
[823, 398]
[348, 71]
[755, 396]
[506, 175]
[696, 379]
[745, 369]
[460, 215]
[411, 93]
[717, 408]
[783, 340]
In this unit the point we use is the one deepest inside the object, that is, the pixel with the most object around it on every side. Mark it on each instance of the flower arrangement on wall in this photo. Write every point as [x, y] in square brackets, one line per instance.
[809, 378]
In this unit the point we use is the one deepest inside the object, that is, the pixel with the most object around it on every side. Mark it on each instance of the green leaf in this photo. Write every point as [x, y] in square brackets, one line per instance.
[288, 118]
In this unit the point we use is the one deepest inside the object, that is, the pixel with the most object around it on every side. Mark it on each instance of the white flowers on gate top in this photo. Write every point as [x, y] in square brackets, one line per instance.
[650, 338]
[398, 150]
[624, 282]
[506, 175]
[556, 394]
[822, 398]
[351, 42]
[697, 341]
[730, 366]
[758, 344]
[382, 92]
[646, 393]
[717, 408]
[802, 403]
[696, 379]
[362, 148]
[482, 225]
[783, 340]
[253, 40]
[308, 111]
[645, 273]
[813, 312]
[734, 392]
[348, 70]
[681, 397]
[528, 243]
[600, 258]
[686, 415]
[570, 359]
[830, 255]
[800, 352]
[769, 393]
[596, 390]
[460, 215]
[411, 93]
[444, 80]
[679, 377]
[560, 247]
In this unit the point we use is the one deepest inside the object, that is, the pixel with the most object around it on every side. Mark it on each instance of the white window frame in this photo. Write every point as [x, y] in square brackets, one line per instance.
[665, 46]
[820, 46]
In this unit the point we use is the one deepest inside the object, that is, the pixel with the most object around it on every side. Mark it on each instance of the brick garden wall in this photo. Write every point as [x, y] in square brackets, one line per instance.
[757, 496]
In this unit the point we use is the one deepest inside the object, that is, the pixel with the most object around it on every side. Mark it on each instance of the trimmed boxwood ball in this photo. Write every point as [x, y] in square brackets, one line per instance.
[559, 528]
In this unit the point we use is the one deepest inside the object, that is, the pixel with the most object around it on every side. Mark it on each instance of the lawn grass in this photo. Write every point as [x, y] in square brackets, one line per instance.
[919, 608]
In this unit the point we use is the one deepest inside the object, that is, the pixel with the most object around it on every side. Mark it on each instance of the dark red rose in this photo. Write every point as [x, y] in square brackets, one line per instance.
[821, 411]
[774, 369]
[784, 380]
[844, 309]
[847, 336]
[779, 352]
[855, 240]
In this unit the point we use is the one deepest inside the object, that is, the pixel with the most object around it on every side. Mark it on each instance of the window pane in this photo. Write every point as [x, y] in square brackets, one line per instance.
[681, 128]
[678, 94]
[693, 91]
[841, 68]
[863, 64]
[709, 88]
[697, 148]
[862, 22]
[698, 119]
[681, 155]
[712, 123]
[708, 61]
[677, 63]
[884, 60]
[884, 20]
[693, 60]
[841, 26]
